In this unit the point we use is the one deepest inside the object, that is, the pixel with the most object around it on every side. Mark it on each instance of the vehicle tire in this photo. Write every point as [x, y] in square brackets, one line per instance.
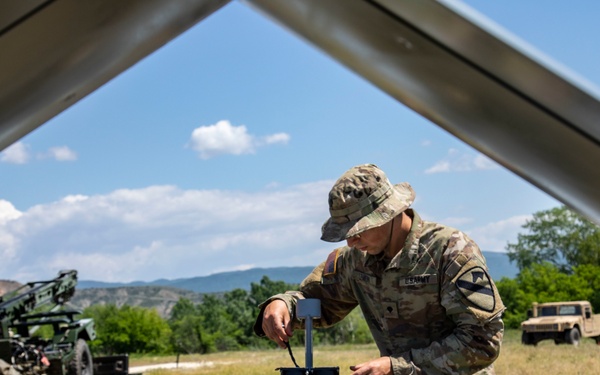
[527, 338]
[573, 336]
[81, 364]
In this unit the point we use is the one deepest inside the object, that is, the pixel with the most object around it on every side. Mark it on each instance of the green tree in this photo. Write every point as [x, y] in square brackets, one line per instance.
[546, 283]
[558, 236]
[181, 309]
[128, 330]
[240, 307]
[189, 335]
[515, 300]
[188, 332]
[219, 323]
[266, 288]
[590, 274]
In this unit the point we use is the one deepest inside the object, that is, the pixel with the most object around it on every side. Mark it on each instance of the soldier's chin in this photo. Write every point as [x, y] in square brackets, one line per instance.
[369, 251]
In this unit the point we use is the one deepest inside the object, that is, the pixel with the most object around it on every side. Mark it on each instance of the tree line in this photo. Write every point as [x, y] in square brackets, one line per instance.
[558, 258]
[221, 322]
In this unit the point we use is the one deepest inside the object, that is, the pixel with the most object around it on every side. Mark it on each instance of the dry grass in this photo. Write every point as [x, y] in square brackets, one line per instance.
[265, 361]
[546, 358]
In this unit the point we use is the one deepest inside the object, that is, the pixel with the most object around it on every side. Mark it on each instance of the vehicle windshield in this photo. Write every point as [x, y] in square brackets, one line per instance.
[560, 310]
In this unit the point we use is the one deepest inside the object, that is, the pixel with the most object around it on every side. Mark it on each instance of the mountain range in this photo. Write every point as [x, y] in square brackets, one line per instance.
[163, 294]
[498, 265]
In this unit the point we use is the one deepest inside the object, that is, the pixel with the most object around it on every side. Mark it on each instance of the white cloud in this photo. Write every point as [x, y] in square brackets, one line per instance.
[439, 167]
[223, 138]
[17, 153]
[495, 236]
[277, 138]
[163, 231]
[8, 212]
[20, 153]
[456, 161]
[166, 232]
[62, 153]
[8, 241]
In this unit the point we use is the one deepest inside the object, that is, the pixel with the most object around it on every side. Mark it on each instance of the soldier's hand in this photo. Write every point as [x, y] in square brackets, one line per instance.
[276, 322]
[379, 366]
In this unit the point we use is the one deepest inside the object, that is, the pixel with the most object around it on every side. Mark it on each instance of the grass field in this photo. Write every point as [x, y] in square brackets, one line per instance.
[545, 358]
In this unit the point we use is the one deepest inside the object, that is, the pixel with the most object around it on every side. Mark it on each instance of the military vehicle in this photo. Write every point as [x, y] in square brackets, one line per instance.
[437, 57]
[42, 303]
[563, 322]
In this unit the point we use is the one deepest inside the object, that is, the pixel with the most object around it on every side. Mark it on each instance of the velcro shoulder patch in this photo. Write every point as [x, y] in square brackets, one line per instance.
[475, 285]
[331, 263]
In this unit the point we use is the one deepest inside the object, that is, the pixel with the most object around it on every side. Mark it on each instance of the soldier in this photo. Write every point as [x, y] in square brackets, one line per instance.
[423, 287]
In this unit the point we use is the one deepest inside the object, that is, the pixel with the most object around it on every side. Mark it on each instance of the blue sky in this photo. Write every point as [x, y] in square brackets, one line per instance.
[216, 153]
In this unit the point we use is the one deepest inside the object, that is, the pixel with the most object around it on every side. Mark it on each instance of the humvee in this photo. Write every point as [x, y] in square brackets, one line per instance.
[563, 322]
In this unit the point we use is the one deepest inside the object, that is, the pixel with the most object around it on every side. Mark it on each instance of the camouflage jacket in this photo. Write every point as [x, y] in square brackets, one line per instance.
[433, 308]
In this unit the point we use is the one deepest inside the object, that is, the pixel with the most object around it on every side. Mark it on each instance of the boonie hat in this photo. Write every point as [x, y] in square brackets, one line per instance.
[363, 198]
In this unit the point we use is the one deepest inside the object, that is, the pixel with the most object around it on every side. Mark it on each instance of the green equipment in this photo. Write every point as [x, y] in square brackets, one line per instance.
[24, 310]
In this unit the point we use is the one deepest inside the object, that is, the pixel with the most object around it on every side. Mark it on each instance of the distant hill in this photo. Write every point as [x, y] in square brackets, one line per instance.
[498, 264]
[162, 294]
[160, 298]
[8, 286]
[218, 282]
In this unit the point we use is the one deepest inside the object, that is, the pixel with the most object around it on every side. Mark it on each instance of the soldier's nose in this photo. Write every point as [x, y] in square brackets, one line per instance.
[353, 240]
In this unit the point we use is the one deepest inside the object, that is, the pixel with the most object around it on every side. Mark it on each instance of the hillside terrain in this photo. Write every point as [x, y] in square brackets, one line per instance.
[8, 286]
[162, 294]
[218, 282]
[160, 298]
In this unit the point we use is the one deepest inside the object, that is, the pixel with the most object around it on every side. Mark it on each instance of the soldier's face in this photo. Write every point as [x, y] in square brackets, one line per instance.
[372, 241]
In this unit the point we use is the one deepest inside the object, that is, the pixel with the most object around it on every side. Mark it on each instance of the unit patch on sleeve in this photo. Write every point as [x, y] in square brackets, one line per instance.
[476, 286]
[331, 263]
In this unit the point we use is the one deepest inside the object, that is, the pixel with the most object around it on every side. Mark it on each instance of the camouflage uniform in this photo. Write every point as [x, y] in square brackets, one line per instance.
[432, 308]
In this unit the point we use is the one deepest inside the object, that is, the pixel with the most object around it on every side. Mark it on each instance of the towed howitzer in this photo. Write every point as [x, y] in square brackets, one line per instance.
[22, 313]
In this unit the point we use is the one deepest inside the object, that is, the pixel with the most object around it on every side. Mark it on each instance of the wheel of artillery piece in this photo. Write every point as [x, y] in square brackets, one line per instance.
[81, 364]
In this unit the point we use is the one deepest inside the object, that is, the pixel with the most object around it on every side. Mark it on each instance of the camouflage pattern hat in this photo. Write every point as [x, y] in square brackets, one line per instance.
[363, 198]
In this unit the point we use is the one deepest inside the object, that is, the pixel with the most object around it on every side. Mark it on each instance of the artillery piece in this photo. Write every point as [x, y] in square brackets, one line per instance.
[24, 310]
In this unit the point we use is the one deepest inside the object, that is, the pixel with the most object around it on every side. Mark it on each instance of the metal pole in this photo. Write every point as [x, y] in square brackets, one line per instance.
[308, 343]
[308, 309]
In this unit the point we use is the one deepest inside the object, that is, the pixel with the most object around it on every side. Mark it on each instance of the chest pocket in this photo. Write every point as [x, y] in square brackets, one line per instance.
[417, 297]
[369, 284]
[367, 291]
[414, 297]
